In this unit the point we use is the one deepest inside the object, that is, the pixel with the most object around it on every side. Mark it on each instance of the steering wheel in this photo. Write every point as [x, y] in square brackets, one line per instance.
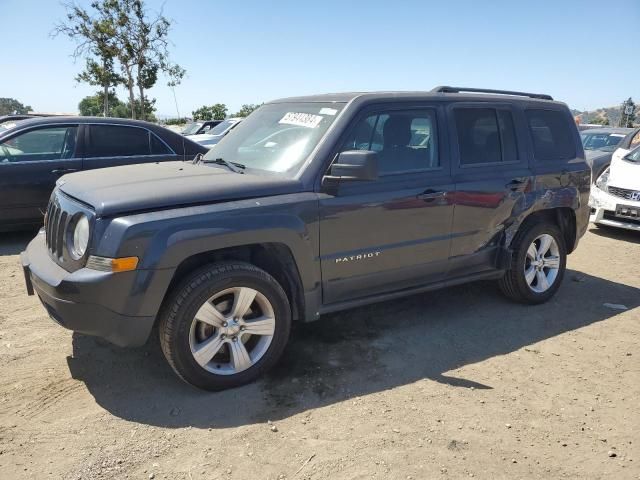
[6, 153]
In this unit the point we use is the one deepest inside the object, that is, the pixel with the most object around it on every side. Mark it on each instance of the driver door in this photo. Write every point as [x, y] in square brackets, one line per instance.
[393, 233]
[30, 164]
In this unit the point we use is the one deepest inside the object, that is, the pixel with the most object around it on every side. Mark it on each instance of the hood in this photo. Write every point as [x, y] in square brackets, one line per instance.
[593, 156]
[623, 174]
[150, 186]
[205, 139]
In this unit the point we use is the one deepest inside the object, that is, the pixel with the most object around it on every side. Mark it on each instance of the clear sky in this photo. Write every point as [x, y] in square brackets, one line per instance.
[241, 51]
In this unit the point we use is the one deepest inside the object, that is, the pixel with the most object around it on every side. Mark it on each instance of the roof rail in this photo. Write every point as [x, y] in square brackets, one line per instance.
[445, 89]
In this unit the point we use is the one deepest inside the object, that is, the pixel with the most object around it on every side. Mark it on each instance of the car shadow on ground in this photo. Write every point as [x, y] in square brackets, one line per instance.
[615, 233]
[348, 354]
[12, 243]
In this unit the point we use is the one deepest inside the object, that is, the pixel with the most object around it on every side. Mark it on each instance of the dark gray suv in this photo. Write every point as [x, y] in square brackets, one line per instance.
[313, 205]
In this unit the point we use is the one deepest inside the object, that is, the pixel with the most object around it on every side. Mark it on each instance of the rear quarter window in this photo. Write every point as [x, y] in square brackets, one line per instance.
[552, 134]
[158, 147]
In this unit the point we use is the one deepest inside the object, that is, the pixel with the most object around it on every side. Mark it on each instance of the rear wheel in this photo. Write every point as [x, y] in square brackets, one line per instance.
[537, 266]
[225, 325]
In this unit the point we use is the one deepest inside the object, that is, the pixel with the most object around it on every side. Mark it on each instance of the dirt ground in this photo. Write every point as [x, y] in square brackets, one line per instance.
[451, 384]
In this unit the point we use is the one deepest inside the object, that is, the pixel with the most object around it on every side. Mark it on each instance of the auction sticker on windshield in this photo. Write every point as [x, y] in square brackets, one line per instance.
[307, 120]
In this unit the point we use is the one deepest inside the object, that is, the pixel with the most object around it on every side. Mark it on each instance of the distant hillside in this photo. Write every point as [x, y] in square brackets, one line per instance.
[612, 113]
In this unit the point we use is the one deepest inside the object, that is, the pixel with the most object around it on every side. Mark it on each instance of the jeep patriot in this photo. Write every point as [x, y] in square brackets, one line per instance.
[312, 205]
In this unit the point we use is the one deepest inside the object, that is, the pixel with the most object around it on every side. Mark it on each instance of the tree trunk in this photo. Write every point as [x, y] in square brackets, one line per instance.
[106, 90]
[143, 114]
[106, 100]
[132, 99]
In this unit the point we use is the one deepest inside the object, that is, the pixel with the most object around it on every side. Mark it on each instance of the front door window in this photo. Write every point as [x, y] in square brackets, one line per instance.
[54, 143]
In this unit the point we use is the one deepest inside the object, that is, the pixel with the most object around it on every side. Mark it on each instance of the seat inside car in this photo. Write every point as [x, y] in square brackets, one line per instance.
[396, 154]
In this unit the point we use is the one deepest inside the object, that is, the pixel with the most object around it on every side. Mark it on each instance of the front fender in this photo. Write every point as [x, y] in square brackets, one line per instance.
[162, 240]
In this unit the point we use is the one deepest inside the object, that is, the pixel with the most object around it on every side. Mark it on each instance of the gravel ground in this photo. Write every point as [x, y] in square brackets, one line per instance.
[451, 384]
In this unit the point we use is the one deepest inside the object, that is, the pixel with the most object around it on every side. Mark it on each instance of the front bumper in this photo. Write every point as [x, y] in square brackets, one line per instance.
[603, 210]
[87, 301]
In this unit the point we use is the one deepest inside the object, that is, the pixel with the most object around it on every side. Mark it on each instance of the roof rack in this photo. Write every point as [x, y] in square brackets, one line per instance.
[445, 89]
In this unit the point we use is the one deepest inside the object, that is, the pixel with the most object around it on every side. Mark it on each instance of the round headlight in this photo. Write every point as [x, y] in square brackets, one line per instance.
[81, 237]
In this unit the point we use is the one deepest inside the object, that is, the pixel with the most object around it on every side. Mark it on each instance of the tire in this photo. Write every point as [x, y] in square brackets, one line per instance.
[243, 324]
[517, 283]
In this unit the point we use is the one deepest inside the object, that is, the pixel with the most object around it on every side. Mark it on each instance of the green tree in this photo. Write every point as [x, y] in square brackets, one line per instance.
[604, 120]
[10, 106]
[213, 112]
[142, 48]
[246, 109]
[149, 108]
[95, 42]
[123, 45]
[92, 106]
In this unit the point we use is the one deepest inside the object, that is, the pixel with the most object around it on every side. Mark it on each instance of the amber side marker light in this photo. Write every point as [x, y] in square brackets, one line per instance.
[105, 264]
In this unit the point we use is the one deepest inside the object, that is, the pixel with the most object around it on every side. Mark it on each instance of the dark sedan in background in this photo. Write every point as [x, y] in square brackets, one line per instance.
[34, 153]
[599, 144]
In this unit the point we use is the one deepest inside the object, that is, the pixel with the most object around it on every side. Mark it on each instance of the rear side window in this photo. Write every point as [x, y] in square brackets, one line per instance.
[117, 141]
[158, 147]
[552, 135]
[485, 135]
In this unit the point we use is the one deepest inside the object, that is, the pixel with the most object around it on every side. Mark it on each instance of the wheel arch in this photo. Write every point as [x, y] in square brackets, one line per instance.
[274, 258]
[563, 217]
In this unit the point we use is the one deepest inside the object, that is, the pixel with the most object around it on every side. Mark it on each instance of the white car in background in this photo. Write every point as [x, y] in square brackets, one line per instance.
[214, 135]
[615, 197]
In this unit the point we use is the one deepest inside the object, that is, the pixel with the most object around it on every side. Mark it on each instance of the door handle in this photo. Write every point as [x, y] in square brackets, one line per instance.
[515, 185]
[430, 195]
[62, 171]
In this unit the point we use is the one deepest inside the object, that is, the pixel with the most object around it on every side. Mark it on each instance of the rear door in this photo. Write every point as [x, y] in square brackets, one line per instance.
[30, 163]
[113, 145]
[558, 160]
[491, 173]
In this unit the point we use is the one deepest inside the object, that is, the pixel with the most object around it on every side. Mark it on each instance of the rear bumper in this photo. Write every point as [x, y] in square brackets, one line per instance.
[83, 300]
[603, 210]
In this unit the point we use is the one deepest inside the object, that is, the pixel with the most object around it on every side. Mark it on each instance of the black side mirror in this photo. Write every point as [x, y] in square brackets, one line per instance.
[355, 165]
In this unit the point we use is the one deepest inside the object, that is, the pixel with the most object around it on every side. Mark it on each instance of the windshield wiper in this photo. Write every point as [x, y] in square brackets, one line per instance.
[233, 166]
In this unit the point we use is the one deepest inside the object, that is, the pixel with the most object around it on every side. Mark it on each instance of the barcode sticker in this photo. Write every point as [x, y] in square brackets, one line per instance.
[307, 120]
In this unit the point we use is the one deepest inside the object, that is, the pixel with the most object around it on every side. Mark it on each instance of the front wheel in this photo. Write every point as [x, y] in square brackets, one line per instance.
[537, 266]
[225, 325]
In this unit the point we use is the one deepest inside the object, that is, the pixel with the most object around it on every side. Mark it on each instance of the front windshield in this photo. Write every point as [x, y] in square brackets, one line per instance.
[192, 128]
[634, 156]
[277, 137]
[606, 142]
[221, 127]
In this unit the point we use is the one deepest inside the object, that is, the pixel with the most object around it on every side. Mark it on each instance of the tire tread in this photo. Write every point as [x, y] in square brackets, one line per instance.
[169, 315]
[511, 283]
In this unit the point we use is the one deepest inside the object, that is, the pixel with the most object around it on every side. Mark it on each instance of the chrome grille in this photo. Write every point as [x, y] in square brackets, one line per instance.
[622, 192]
[56, 227]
